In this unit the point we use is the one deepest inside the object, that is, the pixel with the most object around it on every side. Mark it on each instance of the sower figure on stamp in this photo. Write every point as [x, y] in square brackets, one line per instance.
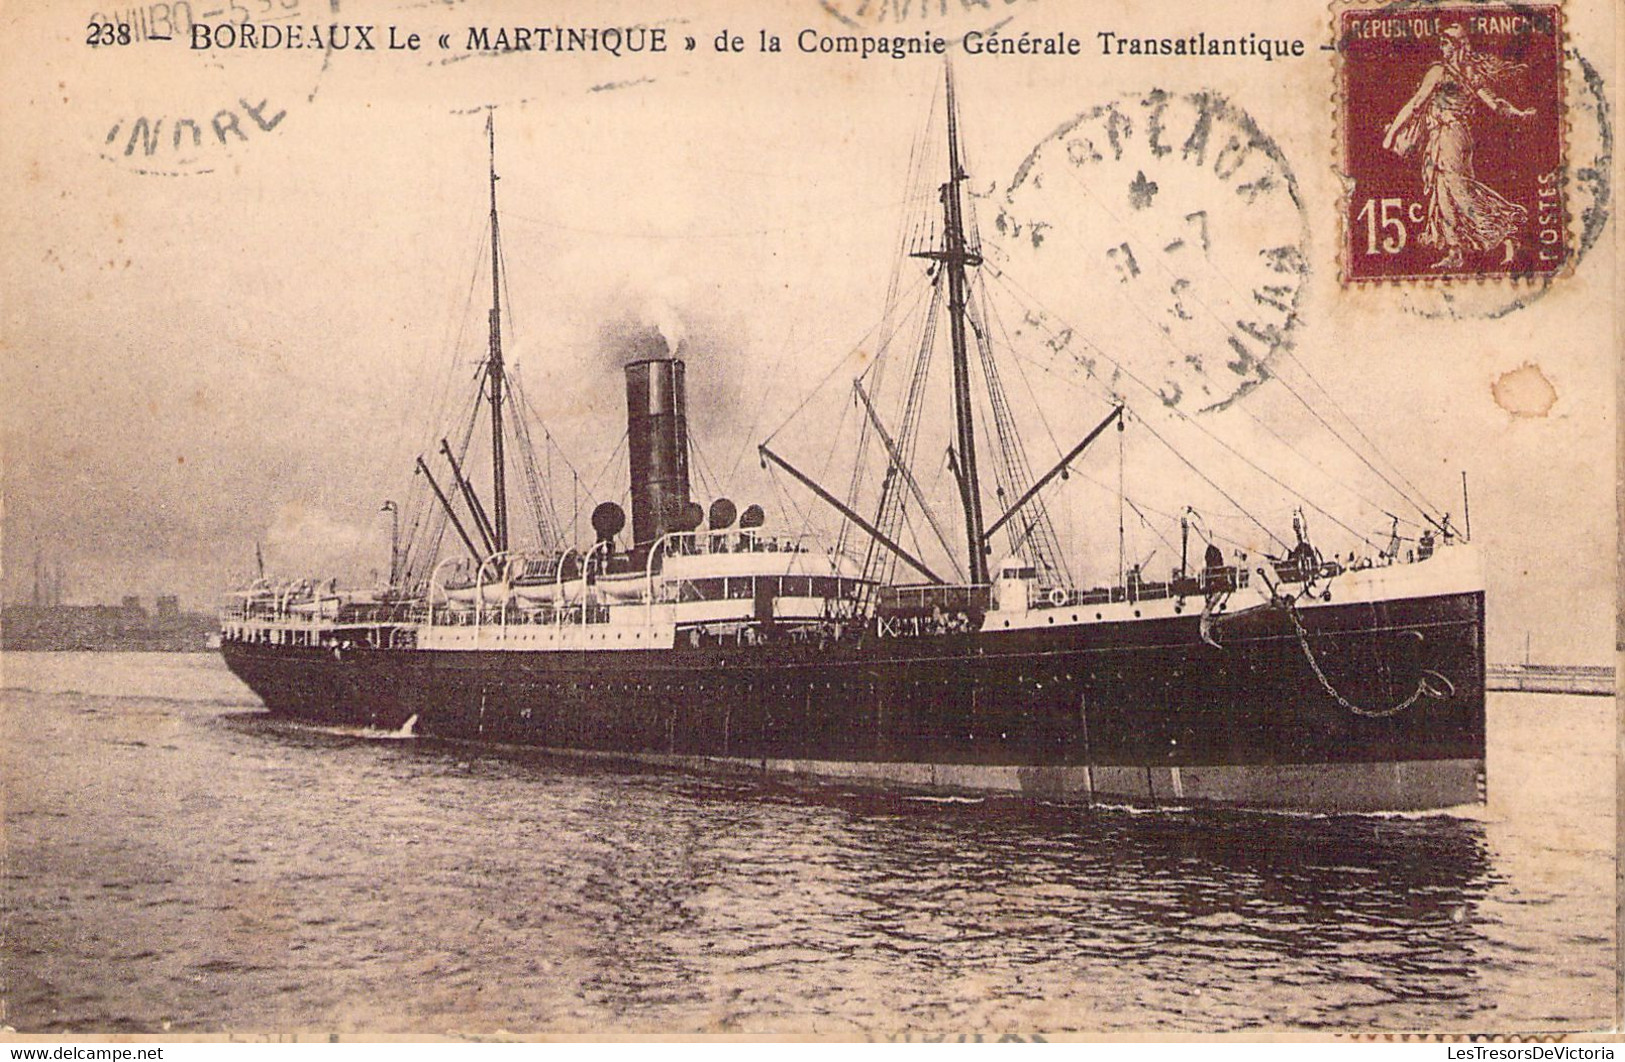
[1462, 211]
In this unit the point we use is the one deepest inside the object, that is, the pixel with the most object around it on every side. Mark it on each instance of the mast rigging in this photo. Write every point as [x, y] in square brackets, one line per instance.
[482, 523]
[841, 507]
[494, 370]
[451, 514]
[955, 256]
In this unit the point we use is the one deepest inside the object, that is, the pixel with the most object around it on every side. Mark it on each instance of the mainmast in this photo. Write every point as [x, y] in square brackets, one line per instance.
[499, 488]
[955, 257]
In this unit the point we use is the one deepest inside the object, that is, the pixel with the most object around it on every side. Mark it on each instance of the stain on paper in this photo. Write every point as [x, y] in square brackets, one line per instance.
[1524, 391]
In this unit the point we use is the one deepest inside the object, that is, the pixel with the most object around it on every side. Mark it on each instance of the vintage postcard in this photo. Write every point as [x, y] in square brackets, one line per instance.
[838, 519]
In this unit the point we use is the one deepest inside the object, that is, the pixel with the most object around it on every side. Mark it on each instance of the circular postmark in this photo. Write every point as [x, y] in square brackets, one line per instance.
[1588, 192]
[1174, 222]
[949, 18]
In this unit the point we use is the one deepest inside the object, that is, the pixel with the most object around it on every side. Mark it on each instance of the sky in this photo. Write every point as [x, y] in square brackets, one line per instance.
[219, 345]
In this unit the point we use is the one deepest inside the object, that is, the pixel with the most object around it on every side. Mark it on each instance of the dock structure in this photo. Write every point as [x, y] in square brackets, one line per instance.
[1586, 679]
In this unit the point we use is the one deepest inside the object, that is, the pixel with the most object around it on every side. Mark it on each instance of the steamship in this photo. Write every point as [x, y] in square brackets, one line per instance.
[707, 638]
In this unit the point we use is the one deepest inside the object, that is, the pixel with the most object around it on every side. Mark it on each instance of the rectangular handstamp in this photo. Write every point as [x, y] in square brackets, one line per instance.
[1451, 122]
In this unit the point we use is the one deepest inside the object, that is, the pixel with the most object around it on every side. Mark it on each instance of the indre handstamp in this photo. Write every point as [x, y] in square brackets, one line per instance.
[187, 103]
[1451, 121]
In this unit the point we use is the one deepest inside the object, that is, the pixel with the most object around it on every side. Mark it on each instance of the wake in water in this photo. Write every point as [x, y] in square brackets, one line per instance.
[230, 849]
[406, 732]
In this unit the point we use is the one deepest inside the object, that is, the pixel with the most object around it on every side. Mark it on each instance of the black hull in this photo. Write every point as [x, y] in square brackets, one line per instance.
[1135, 712]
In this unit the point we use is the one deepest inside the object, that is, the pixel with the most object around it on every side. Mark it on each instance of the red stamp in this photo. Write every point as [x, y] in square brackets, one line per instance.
[1452, 136]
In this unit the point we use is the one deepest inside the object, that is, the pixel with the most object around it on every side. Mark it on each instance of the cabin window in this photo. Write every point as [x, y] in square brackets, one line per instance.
[825, 586]
[707, 590]
[741, 587]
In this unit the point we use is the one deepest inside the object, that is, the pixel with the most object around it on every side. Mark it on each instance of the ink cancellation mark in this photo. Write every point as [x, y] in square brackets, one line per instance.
[951, 18]
[191, 110]
[1452, 123]
[181, 138]
[1588, 196]
[1182, 226]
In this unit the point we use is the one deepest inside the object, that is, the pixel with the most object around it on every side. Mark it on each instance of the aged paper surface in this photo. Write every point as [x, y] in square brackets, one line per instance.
[243, 249]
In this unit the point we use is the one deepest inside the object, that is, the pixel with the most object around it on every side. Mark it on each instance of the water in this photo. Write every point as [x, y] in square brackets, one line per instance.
[177, 862]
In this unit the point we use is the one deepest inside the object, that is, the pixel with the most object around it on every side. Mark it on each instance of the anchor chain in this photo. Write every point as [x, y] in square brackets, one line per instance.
[1326, 684]
[1209, 617]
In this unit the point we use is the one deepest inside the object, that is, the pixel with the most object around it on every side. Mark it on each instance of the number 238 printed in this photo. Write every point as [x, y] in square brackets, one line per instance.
[101, 34]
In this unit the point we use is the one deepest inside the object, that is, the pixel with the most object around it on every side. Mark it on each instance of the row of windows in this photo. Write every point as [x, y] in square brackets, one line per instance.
[274, 636]
[745, 587]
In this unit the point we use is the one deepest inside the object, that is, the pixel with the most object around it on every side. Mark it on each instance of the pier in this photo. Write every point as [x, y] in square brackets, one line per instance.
[1585, 679]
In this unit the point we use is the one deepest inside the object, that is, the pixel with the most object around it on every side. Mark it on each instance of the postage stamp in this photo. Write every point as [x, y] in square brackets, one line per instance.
[1451, 121]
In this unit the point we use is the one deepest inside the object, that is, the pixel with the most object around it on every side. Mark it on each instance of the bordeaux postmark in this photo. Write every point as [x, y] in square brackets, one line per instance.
[1184, 208]
[1451, 127]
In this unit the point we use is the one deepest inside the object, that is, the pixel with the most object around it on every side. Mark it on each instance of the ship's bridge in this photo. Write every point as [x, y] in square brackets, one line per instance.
[738, 576]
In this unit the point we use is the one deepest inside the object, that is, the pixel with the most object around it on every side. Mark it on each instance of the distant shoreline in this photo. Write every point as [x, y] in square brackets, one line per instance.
[125, 627]
[1587, 679]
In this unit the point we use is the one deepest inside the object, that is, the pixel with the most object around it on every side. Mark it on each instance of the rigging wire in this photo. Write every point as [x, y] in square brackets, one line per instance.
[1202, 475]
[1039, 537]
[434, 523]
[875, 372]
[881, 564]
[1147, 524]
[907, 230]
[548, 436]
[437, 527]
[438, 417]
[1260, 422]
[1196, 296]
[781, 494]
[538, 490]
[1123, 371]
[768, 381]
[1291, 356]
[805, 524]
[851, 351]
[1010, 344]
[708, 479]
[592, 488]
[511, 317]
[438, 383]
[708, 233]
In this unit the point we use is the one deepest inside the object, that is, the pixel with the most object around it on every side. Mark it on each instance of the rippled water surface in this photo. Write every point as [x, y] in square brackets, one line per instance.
[176, 861]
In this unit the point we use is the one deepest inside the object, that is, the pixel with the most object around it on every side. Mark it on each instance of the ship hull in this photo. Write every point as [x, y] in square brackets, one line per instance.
[1358, 707]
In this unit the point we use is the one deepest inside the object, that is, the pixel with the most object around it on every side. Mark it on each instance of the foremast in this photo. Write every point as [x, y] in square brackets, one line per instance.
[493, 365]
[955, 256]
